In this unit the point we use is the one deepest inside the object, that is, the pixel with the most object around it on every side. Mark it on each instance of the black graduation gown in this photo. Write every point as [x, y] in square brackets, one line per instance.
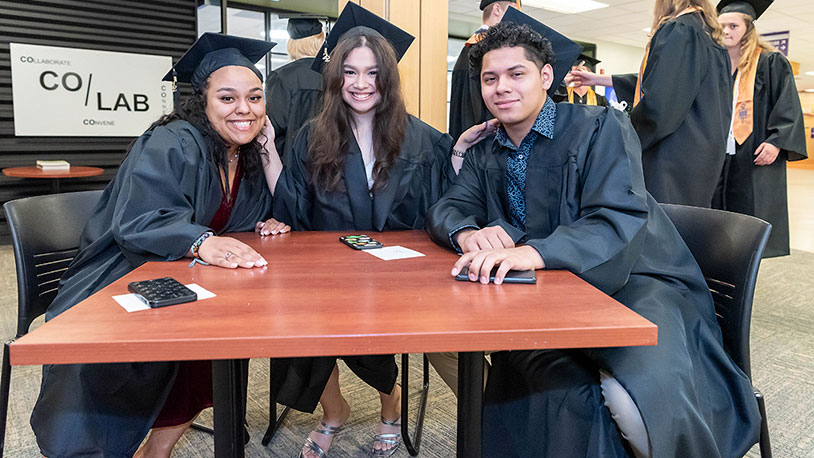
[161, 200]
[420, 176]
[601, 101]
[293, 96]
[683, 116]
[760, 190]
[588, 212]
[466, 107]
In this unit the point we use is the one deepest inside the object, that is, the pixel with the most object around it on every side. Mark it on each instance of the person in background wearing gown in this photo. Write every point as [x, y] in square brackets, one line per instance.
[583, 95]
[767, 125]
[466, 106]
[362, 164]
[294, 91]
[682, 102]
[195, 173]
[560, 186]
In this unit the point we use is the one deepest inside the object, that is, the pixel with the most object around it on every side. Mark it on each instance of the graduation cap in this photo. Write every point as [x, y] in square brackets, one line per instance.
[752, 8]
[565, 50]
[303, 25]
[590, 62]
[355, 20]
[212, 51]
[485, 3]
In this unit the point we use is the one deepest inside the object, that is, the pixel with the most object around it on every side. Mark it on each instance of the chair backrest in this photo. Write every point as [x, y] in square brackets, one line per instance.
[45, 232]
[728, 248]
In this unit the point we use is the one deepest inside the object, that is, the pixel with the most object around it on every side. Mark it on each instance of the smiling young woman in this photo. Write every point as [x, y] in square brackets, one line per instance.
[194, 173]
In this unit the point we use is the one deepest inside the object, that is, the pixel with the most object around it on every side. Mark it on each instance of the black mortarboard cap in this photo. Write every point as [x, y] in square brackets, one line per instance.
[303, 25]
[589, 61]
[485, 3]
[753, 8]
[212, 51]
[355, 20]
[565, 50]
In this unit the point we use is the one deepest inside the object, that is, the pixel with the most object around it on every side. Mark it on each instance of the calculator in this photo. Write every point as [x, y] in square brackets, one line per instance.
[161, 292]
[360, 242]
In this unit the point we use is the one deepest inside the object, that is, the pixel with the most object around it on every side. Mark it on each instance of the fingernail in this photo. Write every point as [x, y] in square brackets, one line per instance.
[454, 271]
[473, 277]
[498, 281]
[265, 232]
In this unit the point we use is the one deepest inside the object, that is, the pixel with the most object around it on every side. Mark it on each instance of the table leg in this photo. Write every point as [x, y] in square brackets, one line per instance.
[227, 386]
[470, 404]
[54, 185]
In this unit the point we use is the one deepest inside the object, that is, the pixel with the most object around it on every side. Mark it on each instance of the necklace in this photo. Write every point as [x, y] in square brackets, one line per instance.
[234, 158]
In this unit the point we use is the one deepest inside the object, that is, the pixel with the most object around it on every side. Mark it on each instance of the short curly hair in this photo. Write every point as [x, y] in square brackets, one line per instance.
[509, 34]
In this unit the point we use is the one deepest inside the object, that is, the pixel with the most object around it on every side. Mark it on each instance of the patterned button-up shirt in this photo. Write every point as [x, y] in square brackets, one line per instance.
[518, 157]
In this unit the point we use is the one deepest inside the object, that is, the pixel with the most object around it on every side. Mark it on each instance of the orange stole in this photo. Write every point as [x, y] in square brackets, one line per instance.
[591, 96]
[742, 118]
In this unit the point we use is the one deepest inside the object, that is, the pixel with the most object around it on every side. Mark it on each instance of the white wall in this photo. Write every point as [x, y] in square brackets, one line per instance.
[618, 58]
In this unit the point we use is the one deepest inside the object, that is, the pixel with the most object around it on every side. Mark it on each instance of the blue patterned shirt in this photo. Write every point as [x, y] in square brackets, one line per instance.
[517, 159]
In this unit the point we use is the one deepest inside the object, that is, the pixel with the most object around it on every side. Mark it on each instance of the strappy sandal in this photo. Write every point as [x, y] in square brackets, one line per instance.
[313, 446]
[393, 439]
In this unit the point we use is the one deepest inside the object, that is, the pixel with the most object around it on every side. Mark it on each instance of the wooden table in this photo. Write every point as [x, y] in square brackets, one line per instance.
[54, 175]
[318, 298]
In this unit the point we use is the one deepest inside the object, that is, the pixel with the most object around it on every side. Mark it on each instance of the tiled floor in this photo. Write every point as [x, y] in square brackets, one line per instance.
[801, 208]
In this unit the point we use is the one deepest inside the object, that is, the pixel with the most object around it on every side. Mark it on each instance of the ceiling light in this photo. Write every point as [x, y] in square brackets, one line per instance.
[566, 6]
[809, 73]
[809, 90]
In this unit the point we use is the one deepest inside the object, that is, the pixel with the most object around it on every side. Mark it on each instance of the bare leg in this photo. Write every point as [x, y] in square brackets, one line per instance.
[335, 412]
[161, 441]
[391, 411]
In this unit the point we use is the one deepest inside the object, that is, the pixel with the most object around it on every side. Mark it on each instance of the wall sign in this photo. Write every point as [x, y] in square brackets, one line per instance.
[86, 93]
[780, 40]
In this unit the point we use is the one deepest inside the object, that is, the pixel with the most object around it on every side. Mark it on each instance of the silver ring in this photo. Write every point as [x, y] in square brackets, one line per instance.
[228, 253]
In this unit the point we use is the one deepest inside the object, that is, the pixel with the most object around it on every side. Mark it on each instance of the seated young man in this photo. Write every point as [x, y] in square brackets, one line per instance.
[560, 186]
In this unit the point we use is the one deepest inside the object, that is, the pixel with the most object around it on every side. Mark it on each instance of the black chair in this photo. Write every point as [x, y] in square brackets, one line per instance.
[728, 248]
[45, 232]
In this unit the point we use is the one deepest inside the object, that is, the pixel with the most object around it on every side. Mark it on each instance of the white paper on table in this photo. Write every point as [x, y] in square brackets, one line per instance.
[390, 253]
[131, 303]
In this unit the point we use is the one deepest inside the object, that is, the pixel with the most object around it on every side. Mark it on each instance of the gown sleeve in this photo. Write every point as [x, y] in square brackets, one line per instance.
[603, 243]
[278, 103]
[785, 127]
[293, 198]
[463, 205]
[671, 82]
[625, 87]
[165, 167]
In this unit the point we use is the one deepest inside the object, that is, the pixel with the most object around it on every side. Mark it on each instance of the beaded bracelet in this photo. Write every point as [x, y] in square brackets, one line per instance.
[197, 245]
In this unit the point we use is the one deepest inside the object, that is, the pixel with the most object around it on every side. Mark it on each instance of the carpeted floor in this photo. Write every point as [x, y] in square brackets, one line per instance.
[782, 360]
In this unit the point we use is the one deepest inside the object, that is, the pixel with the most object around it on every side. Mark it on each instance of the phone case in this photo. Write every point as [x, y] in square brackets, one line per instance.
[512, 276]
[360, 242]
[161, 292]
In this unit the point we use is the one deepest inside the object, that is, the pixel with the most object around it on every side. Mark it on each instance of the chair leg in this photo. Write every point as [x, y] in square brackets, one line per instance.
[765, 445]
[5, 384]
[413, 444]
[274, 420]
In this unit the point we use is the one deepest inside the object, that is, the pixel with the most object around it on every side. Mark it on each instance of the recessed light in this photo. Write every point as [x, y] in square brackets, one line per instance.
[566, 6]
[809, 90]
[810, 73]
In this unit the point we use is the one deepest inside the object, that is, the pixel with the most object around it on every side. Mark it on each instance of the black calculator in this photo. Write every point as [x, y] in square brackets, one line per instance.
[161, 292]
[360, 242]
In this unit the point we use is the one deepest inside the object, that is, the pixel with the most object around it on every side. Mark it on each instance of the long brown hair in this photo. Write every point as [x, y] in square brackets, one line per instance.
[330, 131]
[749, 42]
[666, 10]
